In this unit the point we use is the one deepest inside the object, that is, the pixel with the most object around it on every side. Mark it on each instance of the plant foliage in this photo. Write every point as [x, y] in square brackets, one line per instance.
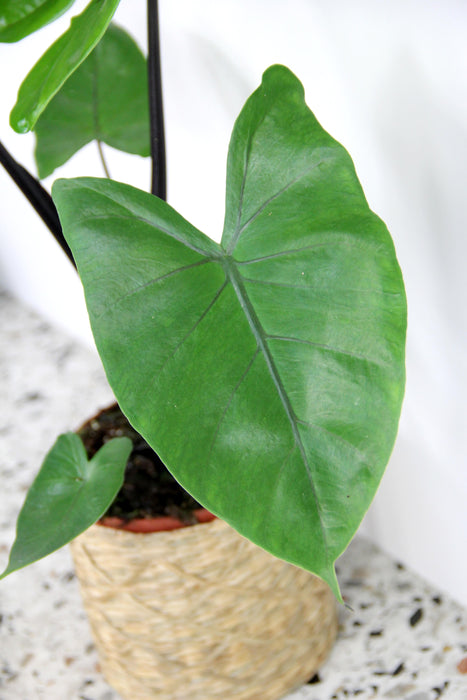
[68, 495]
[18, 18]
[106, 99]
[59, 62]
[267, 371]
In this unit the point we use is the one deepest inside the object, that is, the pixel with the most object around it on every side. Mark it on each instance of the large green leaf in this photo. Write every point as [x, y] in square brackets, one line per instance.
[268, 371]
[106, 99]
[68, 495]
[59, 62]
[18, 18]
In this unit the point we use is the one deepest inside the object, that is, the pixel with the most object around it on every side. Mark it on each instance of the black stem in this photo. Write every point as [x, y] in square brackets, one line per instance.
[156, 115]
[37, 196]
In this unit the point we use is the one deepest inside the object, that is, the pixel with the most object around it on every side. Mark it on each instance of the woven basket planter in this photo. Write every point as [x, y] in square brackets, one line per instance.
[201, 613]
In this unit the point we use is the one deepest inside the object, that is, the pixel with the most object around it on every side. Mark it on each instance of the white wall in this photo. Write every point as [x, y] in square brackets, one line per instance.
[389, 81]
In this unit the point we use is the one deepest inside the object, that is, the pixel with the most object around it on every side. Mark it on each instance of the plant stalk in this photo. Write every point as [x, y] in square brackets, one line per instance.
[156, 114]
[38, 197]
[102, 158]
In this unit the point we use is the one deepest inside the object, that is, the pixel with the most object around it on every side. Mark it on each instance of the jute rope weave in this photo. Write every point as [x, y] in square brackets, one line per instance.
[200, 613]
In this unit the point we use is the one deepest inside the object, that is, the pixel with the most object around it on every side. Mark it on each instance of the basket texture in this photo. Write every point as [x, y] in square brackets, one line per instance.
[201, 613]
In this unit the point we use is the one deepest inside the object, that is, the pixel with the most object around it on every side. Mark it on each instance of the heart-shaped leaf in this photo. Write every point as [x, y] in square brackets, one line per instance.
[68, 495]
[268, 371]
[106, 99]
[59, 62]
[18, 18]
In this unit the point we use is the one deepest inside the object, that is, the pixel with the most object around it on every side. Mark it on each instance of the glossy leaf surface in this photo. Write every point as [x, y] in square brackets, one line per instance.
[18, 18]
[68, 495]
[268, 371]
[59, 62]
[106, 99]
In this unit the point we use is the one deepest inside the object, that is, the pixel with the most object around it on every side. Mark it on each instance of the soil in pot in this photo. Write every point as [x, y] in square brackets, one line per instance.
[149, 490]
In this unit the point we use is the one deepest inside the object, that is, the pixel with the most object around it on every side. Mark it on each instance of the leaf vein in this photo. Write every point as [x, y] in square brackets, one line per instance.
[278, 194]
[131, 216]
[284, 253]
[237, 232]
[287, 285]
[268, 283]
[337, 437]
[192, 329]
[229, 403]
[141, 287]
[322, 346]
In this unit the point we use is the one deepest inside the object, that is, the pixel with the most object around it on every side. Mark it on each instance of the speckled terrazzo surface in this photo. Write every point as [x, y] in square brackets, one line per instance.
[401, 640]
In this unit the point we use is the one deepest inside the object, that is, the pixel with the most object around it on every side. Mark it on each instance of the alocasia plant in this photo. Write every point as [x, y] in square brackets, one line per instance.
[268, 370]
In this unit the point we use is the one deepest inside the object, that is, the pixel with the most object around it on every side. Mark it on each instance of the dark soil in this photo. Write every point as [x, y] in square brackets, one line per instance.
[149, 489]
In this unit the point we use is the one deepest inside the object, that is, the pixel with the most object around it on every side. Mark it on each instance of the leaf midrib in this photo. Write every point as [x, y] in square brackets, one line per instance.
[95, 96]
[257, 329]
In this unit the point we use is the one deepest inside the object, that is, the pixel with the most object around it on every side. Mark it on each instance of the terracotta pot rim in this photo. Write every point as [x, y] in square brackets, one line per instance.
[162, 523]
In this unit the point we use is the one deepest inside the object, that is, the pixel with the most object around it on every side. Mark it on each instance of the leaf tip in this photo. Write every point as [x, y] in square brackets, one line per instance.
[19, 124]
[330, 578]
[120, 447]
[280, 77]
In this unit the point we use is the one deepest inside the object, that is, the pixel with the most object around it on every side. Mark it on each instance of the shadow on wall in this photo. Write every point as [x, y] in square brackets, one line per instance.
[419, 514]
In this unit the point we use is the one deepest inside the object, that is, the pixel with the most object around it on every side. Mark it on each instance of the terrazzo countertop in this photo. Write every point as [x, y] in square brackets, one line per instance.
[402, 639]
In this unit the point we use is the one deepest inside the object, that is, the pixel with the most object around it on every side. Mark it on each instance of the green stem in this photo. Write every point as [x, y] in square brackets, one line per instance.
[101, 156]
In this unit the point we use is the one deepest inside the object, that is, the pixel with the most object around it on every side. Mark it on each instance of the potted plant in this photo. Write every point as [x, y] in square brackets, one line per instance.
[267, 371]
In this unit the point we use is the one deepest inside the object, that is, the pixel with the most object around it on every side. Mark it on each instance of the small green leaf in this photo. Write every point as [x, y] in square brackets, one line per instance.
[106, 99]
[68, 495]
[267, 372]
[59, 62]
[18, 18]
